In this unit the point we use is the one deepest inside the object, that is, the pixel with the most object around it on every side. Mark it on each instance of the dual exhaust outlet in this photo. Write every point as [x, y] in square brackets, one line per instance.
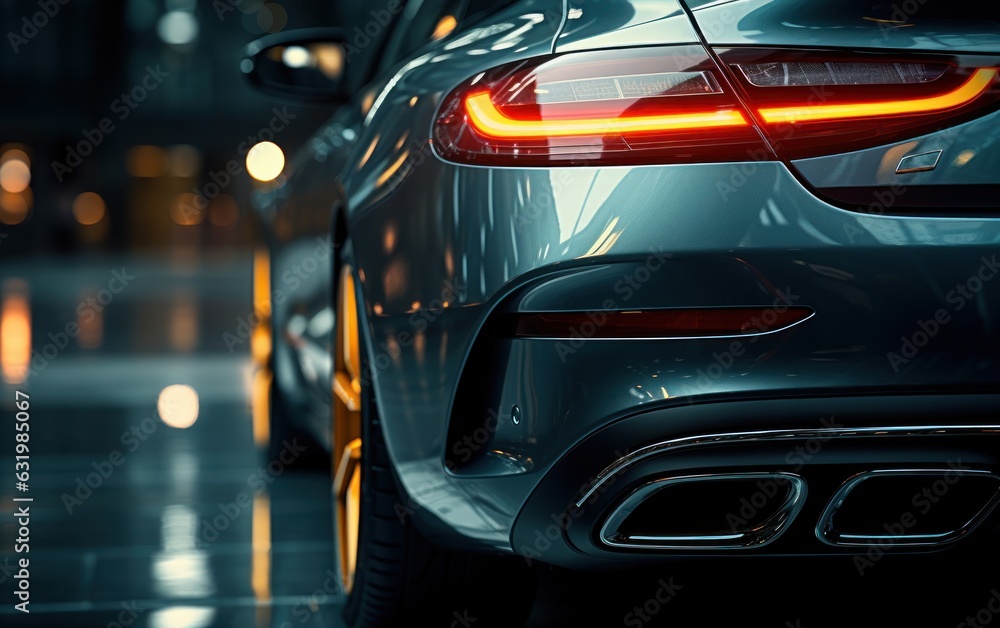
[732, 511]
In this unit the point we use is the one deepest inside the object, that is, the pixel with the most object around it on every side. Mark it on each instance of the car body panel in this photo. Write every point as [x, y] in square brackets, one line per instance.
[969, 156]
[821, 254]
[440, 248]
[624, 23]
[855, 24]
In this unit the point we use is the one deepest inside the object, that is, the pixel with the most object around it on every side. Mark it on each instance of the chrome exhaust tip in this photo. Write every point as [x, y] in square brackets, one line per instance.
[706, 512]
[908, 507]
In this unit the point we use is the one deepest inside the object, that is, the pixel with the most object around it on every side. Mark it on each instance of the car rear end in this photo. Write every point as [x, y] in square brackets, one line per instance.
[727, 271]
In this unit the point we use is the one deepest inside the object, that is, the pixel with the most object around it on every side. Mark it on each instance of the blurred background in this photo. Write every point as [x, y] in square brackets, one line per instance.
[127, 235]
[115, 117]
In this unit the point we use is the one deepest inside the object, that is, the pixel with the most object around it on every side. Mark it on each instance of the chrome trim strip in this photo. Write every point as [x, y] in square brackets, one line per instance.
[771, 529]
[642, 453]
[826, 533]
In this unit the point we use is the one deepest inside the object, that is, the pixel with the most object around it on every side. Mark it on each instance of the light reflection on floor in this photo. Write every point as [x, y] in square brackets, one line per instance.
[145, 513]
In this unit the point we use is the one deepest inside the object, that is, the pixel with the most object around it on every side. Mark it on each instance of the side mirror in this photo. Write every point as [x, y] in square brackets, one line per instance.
[308, 64]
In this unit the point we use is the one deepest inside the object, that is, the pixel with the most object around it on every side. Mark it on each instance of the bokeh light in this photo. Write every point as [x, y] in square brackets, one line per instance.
[185, 210]
[15, 331]
[177, 28]
[329, 59]
[296, 57]
[265, 161]
[14, 207]
[89, 208]
[15, 175]
[15, 153]
[178, 406]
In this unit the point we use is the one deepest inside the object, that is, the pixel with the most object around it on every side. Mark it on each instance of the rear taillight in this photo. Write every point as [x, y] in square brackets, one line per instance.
[648, 105]
[813, 103]
[675, 105]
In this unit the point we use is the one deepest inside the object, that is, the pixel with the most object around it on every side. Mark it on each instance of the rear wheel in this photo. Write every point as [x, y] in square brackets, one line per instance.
[390, 572]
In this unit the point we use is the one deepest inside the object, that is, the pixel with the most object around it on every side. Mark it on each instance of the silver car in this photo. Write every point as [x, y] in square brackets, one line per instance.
[598, 284]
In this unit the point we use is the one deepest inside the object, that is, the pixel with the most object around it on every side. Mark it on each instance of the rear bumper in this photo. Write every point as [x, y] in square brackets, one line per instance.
[904, 305]
[824, 440]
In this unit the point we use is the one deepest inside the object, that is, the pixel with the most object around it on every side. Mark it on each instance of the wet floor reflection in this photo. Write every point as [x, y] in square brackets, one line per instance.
[152, 506]
[15, 331]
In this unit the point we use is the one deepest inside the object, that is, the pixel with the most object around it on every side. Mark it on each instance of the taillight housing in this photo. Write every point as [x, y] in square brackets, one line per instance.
[813, 103]
[645, 105]
[676, 105]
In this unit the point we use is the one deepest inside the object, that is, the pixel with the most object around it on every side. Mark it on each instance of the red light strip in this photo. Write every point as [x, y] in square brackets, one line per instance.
[491, 122]
[978, 83]
[675, 323]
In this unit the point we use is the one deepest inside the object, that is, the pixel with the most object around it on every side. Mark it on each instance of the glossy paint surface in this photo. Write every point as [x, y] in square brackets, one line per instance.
[854, 24]
[624, 23]
[441, 247]
[968, 157]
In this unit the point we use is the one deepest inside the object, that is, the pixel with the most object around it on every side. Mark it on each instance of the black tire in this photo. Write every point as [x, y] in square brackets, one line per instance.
[401, 577]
